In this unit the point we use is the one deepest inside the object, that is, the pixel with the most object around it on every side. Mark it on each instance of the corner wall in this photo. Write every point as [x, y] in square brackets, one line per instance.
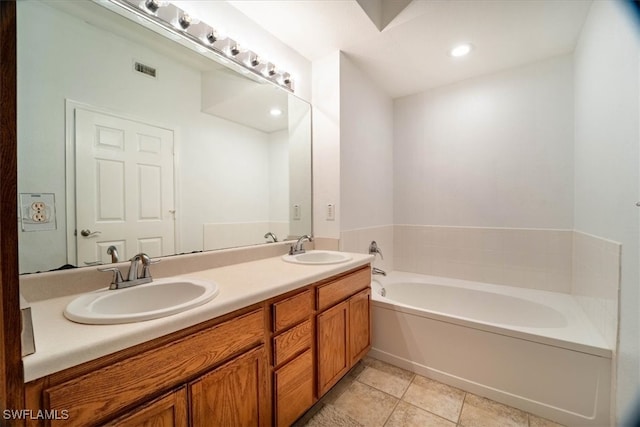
[366, 164]
[606, 164]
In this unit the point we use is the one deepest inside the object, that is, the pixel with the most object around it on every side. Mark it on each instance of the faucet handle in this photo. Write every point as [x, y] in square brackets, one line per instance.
[117, 275]
[374, 249]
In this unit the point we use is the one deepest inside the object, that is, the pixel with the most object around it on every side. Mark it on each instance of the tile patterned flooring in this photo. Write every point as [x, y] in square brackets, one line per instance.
[375, 393]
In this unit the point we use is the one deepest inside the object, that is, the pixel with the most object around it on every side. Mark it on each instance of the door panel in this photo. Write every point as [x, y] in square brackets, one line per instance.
[124, 187]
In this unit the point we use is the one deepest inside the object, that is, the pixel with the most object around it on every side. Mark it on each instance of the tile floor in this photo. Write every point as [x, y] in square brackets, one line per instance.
[375, 393]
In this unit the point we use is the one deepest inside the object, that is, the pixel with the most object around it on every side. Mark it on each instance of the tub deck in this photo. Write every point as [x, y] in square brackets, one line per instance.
[576, 334]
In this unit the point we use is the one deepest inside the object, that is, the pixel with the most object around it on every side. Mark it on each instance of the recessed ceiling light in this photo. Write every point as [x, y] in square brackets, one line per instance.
[461, 50]
[275, 112]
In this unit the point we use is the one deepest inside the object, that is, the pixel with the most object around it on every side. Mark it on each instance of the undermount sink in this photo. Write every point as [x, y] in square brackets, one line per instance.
[318, 257]
[160, 298]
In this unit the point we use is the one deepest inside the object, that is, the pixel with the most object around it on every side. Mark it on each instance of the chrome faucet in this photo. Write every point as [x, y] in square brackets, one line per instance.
[113, 251]
[273, 236]
[374, 249]
[376, 270]
[297, 247]
[133, 278]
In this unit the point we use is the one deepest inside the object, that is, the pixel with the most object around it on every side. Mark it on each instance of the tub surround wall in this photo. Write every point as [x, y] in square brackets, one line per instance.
[538, 259]
[596, 281]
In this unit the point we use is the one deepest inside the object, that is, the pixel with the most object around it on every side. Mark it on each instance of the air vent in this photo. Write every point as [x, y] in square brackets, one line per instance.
[145, 69]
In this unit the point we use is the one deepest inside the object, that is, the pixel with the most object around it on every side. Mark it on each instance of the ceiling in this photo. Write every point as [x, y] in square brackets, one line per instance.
[402, 45]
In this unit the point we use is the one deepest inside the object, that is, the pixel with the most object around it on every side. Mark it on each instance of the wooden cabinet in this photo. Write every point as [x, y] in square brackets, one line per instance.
[293, 361]
[334, 359]
[344, 330]
[260, 366]
[98, 391]
[169, 410]
[293, 387]
[359, 325]
[233, 394]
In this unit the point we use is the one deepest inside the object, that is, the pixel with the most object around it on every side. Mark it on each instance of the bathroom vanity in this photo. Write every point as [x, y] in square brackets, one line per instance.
[265, 355]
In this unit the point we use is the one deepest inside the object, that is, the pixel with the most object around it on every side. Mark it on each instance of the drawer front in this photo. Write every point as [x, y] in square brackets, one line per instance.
[292, 342]
[292, 310]
[101, 393]
[294, 389]
[342, 288]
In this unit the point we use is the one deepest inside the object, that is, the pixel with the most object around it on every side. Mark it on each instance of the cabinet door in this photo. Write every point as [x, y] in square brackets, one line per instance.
[232, 395]
[169, 410]
[294, 389]
[360, 324]
[333, 346]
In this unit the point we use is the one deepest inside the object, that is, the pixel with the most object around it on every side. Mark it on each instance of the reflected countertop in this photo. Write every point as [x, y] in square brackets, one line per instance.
[61, 343]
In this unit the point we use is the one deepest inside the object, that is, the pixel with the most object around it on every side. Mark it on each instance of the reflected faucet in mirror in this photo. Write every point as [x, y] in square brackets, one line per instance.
[273, 236]
[113, 251]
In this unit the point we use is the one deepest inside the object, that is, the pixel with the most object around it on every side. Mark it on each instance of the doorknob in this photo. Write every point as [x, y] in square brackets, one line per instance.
[88, 233]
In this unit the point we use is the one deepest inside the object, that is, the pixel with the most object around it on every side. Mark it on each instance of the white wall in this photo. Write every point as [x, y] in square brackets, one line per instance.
[326, 144]
[366, 164]
[278, 176]
[366, 150]
[208, 146]
[491, 151]
[606, 162]
[300, 169]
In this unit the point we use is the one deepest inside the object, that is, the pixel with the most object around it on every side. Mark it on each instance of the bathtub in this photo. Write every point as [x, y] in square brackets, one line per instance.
[530, 349]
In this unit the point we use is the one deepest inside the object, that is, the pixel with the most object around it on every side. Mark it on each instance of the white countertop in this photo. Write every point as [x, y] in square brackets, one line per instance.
[61, 343]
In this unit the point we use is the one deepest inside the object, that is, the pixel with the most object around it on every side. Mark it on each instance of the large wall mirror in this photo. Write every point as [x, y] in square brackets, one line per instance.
[130, 140]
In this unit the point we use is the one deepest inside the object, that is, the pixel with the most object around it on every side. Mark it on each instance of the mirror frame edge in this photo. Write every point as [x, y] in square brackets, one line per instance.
[11, 368]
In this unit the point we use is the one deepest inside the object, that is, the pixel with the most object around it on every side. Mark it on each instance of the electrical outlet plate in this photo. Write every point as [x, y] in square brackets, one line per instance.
[296, 212]
[38, 211]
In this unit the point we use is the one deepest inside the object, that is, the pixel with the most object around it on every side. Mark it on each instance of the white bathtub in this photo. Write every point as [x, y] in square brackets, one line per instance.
[534, 350]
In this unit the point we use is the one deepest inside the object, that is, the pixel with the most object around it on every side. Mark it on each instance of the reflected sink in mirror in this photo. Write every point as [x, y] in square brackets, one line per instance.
[318, 257]
[160, 298]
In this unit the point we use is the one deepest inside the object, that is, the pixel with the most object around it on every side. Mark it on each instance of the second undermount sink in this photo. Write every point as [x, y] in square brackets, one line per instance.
[318, 257]
[160, 298]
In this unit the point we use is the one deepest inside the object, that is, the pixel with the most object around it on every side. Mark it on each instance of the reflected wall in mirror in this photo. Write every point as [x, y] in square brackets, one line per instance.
[110, 156]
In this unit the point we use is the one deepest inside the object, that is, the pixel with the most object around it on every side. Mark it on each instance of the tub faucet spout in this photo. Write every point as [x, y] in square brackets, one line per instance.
[376, 270]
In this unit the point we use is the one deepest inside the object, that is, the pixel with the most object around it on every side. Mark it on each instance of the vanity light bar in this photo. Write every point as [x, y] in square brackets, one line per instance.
[180, 23]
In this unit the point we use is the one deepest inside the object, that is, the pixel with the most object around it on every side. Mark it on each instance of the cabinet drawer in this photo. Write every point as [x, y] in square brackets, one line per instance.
[292, 310]
[294, 389]
[103, 392]
[342, 288]
[292, 342]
